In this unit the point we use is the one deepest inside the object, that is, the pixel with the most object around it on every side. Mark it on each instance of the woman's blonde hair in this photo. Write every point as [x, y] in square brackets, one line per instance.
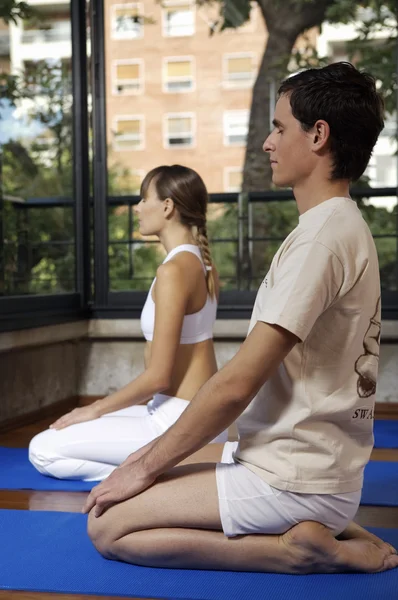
[187, 190]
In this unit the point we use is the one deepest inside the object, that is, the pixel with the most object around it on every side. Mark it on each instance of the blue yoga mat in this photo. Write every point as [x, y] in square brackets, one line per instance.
[50, 552]
[386, 433]
[380, 486]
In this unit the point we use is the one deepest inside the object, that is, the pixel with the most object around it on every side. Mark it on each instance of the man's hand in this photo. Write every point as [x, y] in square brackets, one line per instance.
[125, 482]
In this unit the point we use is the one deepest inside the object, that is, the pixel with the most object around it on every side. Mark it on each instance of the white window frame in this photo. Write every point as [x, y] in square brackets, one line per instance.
[141, 119]
[237, 83]
[227, 116]
[126, 35]
[182, 115]
[115, 84]
[165, 80]
[227, 172]
[175, 3]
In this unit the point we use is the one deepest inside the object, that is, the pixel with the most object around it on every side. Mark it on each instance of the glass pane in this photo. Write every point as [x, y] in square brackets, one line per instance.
[128, 71]
[235, 179]
[37, 157]
[130, 12]
[240, 65]
[179, 124]
[128, 126]
[179, 69]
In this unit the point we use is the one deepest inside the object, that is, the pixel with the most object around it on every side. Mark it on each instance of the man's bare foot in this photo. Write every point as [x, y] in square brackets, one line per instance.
[353, 530]
[311, 548]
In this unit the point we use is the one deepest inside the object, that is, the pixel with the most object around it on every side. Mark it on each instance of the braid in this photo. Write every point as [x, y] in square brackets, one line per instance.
[203, 243]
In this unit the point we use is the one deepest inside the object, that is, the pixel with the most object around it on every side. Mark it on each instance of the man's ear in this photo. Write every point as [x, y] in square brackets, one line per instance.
[320, 134]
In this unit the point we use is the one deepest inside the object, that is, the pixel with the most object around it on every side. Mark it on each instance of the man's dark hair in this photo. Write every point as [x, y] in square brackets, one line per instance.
[348, 101]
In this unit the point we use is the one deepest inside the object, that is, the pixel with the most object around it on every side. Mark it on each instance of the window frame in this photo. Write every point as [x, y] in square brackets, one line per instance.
[141, 119]
[175, 3]
[237, 84]
[141, 79]
[228, 113]
[227, 171]
[170, 59]
[115, 35]
[182, 115]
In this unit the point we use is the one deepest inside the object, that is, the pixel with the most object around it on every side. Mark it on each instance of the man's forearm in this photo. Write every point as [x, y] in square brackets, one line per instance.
[214, 408]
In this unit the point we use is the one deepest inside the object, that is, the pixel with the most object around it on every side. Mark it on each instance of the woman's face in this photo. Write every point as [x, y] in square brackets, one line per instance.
[151, 212]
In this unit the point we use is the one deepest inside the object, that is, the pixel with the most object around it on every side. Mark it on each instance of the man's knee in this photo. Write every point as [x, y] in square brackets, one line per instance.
[100, 533]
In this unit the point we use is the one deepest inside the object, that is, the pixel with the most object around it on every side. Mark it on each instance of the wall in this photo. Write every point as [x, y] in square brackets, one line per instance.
[40, 367]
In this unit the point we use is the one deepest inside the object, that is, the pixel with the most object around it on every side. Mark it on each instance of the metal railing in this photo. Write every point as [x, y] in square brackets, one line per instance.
[243, 238]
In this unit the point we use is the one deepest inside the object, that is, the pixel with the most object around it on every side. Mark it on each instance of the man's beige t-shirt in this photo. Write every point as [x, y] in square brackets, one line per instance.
[309, 429]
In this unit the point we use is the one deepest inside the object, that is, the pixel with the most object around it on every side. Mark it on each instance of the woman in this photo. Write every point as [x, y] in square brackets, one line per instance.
[177, 322]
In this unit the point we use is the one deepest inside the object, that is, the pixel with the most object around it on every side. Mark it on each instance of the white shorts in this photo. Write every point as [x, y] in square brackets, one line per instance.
[250, 505]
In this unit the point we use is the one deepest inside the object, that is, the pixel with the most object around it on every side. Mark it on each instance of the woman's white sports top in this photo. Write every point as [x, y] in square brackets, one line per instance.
[196, 327]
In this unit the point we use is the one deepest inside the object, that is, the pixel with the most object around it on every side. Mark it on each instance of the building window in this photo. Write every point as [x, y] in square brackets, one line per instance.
[238, 70]
[128, 77]
[386, 170]
[178, 74]
[179, 130]
[178, 18]
[129, 133]
[233, 177]
[127, 21]
[236, 125]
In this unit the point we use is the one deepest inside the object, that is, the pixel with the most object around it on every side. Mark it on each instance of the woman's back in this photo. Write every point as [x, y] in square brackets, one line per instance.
[194, 362]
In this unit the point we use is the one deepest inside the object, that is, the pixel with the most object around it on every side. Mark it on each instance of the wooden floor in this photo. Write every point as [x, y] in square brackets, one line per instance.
[371, 516]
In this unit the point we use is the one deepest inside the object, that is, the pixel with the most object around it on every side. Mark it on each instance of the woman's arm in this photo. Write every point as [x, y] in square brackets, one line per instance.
[171, 296]
[172, 291]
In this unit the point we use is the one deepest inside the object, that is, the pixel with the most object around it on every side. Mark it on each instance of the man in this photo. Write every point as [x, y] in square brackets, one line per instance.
[298, 387]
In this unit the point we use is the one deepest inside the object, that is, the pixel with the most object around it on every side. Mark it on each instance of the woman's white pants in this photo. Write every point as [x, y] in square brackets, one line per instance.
[92, 450]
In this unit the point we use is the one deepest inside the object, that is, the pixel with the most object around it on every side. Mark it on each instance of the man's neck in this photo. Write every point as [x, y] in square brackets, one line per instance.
[311, 193]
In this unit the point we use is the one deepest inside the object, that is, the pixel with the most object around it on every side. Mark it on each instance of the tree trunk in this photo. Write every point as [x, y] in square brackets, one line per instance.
[285, 21]
[257, 170]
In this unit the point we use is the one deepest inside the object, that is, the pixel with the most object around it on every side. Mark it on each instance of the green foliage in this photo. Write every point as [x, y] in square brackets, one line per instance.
[11, 10]
[38, 243]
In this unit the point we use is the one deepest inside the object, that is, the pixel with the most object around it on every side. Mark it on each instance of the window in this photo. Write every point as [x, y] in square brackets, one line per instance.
[385, 170]
[127, 21]
[338, 51]
[129, 133]
[238, 70]
[179, 130]
[390, 126]
[128, 77]
[178, 19]
[178, 74]
[236, 123]
[233, 179]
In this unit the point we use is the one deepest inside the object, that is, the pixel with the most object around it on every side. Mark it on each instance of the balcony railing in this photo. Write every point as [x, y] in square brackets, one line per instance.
[244, 230]
[44, 36]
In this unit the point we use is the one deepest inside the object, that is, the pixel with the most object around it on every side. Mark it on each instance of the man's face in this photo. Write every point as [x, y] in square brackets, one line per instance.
[288, 147]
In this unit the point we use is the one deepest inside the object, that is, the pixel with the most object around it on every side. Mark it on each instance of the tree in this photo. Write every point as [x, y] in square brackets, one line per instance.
[11, 10]
[285, 21]
[38, 245]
